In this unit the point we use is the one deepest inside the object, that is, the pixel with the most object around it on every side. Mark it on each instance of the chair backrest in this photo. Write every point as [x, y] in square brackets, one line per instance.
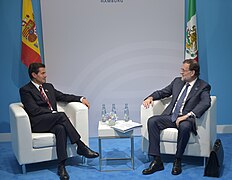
[166, 101]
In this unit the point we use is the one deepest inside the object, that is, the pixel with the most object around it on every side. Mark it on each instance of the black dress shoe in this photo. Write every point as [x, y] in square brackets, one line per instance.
[153, 167]
[62, 173]
[87, 152]
[176, 169]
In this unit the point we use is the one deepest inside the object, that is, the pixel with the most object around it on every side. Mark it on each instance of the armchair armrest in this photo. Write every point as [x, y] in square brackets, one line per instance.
[21, 135]
[206, 125]
[155, 109]
[78, 115]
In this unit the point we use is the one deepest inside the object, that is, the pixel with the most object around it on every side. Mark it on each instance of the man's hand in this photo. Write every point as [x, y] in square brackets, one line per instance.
[181, 118]
[85, 102]
[147, 102]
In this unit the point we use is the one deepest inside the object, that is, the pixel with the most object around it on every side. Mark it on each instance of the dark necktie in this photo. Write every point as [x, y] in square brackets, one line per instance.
[179, 103]
[45, 97]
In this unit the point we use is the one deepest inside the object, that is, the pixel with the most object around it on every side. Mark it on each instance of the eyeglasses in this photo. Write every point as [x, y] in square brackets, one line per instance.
[184, 70]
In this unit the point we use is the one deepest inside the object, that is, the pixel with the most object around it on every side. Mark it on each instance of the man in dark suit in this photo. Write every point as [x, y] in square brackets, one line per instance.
[190, 99]
[40, 102]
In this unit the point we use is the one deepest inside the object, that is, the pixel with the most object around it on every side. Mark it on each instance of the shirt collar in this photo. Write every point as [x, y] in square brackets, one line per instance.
[192, 82]
[36, 85]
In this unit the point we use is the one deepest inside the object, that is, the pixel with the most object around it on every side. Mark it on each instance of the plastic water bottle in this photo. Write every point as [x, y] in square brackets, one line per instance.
[126, 113]
[113, 109]
[103, 113]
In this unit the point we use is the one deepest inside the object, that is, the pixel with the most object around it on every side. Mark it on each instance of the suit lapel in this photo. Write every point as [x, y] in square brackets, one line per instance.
[35, 90]
[178, 90]
[194, 89]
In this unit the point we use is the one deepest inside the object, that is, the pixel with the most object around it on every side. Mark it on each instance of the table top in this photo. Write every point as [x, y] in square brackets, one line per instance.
[104, 130]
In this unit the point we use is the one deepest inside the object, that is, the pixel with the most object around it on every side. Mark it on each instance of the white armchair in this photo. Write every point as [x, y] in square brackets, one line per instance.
[199, 145]
[31, 147]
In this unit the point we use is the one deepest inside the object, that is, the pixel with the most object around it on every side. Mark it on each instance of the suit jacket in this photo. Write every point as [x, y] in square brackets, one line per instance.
[198, 100]
[36, 106]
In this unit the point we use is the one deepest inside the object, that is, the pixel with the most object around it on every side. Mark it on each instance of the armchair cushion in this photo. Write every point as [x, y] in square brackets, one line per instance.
[41, 140]
[170, 135]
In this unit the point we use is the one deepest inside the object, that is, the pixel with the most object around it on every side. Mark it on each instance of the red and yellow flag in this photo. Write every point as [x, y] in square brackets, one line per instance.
[30, 42]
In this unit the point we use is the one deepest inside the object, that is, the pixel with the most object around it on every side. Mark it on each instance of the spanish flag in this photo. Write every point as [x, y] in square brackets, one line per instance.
[30, 43]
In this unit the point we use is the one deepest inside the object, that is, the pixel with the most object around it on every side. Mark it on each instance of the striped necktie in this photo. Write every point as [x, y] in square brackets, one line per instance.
[45, 97]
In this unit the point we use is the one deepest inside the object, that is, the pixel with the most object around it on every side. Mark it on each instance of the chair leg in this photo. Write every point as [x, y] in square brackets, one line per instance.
[205, 161]
[24, 168]
[84, 160]
[146, 156]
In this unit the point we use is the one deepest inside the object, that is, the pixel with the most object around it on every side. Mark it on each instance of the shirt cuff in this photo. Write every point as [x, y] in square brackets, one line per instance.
[82, 98]
[191, 114]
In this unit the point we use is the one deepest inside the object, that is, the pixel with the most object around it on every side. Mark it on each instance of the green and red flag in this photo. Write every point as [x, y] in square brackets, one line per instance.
[30, 43]
[191, 46]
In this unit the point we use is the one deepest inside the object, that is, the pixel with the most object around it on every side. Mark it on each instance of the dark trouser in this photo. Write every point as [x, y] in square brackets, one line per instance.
[58, 124]
[157, 123]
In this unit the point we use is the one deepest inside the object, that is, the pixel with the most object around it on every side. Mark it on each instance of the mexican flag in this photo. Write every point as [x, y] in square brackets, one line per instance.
[30, 43]
[191, 47]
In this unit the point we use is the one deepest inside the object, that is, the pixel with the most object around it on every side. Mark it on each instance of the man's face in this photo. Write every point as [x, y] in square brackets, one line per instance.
[186, 74]
[40, 78]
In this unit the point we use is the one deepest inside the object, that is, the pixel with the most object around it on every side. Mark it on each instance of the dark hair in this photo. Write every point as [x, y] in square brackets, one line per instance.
[193, 65]
[34, 68]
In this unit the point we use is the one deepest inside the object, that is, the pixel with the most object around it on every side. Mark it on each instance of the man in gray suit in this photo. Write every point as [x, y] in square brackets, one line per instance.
[190, 99]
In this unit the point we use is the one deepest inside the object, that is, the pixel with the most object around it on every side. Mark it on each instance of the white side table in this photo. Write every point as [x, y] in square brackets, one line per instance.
[106, 132]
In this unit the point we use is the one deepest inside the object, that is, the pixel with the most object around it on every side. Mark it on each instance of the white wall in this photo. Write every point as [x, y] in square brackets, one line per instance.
[112, 52]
